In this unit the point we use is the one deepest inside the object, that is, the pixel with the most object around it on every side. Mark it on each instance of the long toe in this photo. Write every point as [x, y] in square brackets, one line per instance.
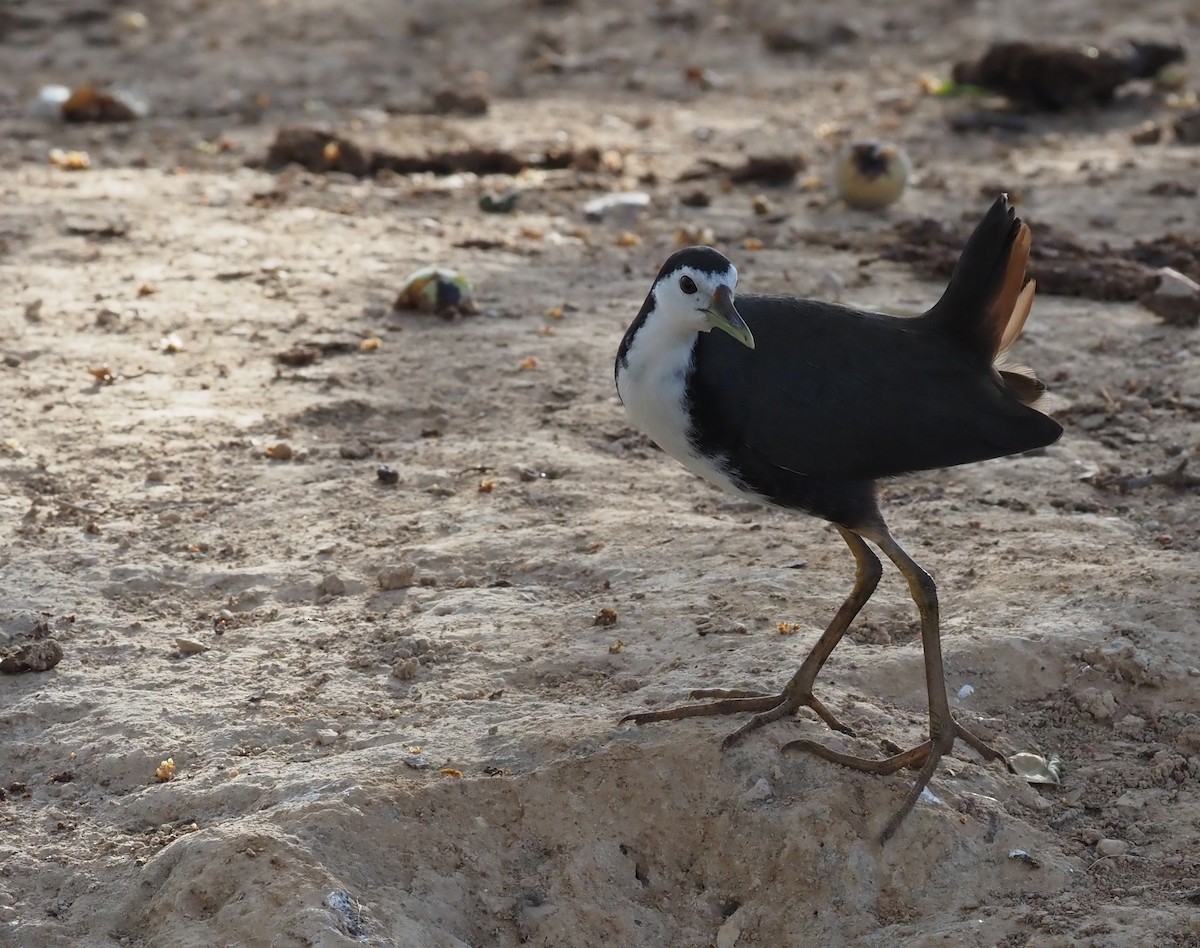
[764, 708]
[925, 756]
[727, 705]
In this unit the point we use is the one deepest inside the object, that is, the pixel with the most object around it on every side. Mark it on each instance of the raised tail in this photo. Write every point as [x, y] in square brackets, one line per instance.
[988, 299]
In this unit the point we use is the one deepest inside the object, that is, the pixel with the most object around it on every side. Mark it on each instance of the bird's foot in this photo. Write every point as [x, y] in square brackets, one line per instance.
[766, 708]
[924, 756]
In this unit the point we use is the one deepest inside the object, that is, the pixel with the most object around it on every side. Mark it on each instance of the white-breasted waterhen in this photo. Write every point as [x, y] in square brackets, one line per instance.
[805, 405]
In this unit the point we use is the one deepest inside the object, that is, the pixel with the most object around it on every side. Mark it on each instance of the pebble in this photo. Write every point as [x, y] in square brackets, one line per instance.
[1176, 299]
[38, 656]
[760, 792]
[406, 669]
[1112, 847]
[355, 451]
[325, 737]
[399, 576]
[280, 451]
[1187, 128]
[622, 207]
[387, 475]
[831, 287]
[190, 646]
[332, 585]
[1131, 724]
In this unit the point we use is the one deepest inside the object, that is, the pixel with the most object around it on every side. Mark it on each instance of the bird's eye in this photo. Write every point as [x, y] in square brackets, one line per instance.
[687, 284]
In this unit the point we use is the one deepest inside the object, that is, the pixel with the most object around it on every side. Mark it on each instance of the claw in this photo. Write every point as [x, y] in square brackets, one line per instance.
[766, 708]
[925, 756]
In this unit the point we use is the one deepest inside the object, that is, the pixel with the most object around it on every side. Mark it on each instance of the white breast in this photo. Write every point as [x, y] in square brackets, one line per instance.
[651, 385]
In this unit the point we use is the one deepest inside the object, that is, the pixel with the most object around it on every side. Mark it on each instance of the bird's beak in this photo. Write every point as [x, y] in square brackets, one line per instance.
[724, 316]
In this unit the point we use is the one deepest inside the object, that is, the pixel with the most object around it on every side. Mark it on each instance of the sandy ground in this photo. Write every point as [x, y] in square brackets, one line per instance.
[440, 763]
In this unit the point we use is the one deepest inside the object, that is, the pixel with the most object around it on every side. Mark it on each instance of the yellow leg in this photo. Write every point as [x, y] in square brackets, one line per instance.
[798, 692]
[943, 729]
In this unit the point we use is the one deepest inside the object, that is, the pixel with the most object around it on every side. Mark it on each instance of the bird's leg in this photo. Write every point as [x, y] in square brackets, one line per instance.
[943, 729]
[798, 692]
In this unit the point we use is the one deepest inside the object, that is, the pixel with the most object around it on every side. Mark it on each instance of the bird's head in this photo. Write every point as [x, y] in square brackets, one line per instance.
[694, 292]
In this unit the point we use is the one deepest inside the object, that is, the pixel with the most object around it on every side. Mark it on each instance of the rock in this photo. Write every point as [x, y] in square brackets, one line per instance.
[831, 287]
[406, 669]
[325, 737]
[622, 207]
[1148, 133]
[190, 646]
[759, 793]
[1176, 299]
[1187, 128]
[1112, 847]
[332, 585]
[399, 576]
[729, 932]
[1100, 704]
[38, 656]
[354, 451]
[1131, 725]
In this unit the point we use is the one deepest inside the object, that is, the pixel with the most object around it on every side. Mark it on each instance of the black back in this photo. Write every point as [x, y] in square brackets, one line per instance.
[831, 392]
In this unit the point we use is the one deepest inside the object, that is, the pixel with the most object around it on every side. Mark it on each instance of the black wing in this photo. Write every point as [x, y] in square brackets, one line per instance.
[832, 392]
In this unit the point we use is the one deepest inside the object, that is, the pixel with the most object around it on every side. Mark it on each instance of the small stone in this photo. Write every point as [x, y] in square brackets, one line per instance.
[1131, 725]
[399, 576]
[387, 475]
[38, 656]
[332, 585]
[1111, 847]
[760, 792]
[622, 207]
[325, 737]
[1101, 704]
[503, 203]
[831, 287]
[355, 451]
[1148, 133]
[406, 669]
[280, 451]
[190, 646]
[1187, 128]
[1176, 299]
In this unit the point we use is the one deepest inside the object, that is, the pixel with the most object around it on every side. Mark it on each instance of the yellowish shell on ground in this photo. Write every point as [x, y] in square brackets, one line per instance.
[435, 290]
[871, 175]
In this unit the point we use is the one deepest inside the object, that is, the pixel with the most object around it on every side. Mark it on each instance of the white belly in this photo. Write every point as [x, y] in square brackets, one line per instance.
[652, 391]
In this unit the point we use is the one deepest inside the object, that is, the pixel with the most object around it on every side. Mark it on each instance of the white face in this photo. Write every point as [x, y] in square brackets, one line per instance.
[685, 296]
